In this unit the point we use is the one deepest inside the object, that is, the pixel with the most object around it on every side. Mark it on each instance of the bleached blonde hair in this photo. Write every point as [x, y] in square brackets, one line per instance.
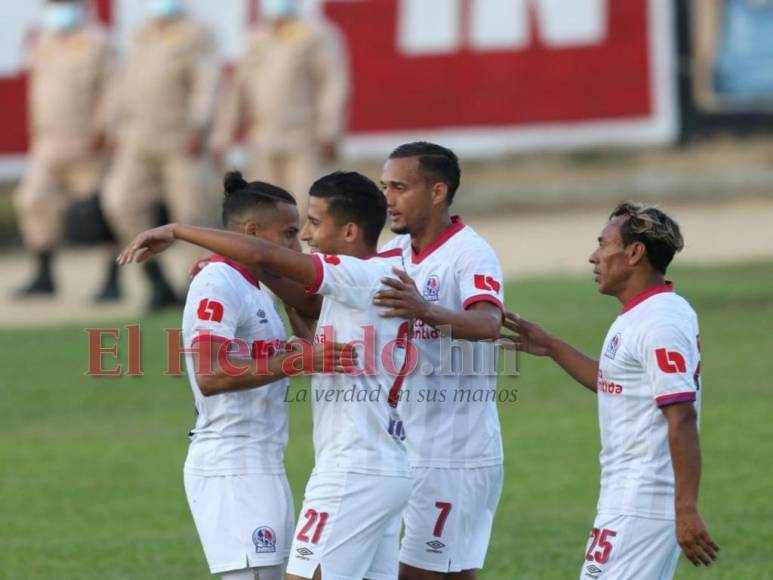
[647, 224]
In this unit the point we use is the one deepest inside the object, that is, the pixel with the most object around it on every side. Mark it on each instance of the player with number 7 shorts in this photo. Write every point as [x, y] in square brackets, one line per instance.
[452, 286]
[349, 522]
[647, 381]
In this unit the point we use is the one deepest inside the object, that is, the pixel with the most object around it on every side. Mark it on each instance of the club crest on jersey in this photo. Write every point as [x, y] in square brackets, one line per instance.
[264, 539]
[432, 289]
[612, 347]
[262, 315]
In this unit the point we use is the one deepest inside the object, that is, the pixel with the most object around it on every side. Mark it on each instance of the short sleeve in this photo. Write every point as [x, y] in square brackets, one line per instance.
[213, 310]
[480, 278]
[672, 363]
[346, 279]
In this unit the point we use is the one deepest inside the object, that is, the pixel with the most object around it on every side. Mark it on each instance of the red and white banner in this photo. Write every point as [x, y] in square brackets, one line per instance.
[485, 77]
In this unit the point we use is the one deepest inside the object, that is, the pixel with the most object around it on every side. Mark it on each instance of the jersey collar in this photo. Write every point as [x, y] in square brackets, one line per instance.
[457, 225]
[639, 298]
[249, 276]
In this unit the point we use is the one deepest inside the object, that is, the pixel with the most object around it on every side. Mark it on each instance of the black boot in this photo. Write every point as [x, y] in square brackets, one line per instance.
[43, 283]
[111, 289]
[162, 295]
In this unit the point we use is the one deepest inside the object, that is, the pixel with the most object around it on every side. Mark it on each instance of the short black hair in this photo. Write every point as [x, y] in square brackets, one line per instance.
[435, 161]
[352, 197]
[242, 196]
[647, 224]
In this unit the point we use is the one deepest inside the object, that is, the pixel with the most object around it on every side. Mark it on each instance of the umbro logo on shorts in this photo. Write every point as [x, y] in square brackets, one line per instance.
[436, 547]
[593, 571]
[304, 553]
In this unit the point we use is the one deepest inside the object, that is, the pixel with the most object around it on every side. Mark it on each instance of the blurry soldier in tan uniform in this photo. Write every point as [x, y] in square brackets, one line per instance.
[291, 87]
[163, 104]
[68, 68]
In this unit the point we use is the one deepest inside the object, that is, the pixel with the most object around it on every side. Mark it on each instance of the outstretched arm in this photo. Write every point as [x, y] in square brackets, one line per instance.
[481, 321]
[293, 294]
[246, 250]
[217, 372]
[533, 339]
[691, 531]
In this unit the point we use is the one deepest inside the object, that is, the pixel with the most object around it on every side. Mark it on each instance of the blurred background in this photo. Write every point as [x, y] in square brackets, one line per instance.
[554, 106]
[120, 114]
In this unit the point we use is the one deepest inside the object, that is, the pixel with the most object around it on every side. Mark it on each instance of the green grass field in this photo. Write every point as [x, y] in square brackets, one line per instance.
[91, 468]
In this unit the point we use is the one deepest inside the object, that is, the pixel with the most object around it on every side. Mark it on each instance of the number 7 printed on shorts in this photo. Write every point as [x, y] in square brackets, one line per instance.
[445, 509]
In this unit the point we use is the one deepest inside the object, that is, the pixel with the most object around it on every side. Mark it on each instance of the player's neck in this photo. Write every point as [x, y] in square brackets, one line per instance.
[255, 271]
[638, 284]
[432, 230]
[360, 249]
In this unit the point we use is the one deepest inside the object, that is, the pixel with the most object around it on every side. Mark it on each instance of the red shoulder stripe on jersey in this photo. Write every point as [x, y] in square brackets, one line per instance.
[393, 253]
[639, 298]
[483, 298]
[209, 338]
[665, 400]
[319, 274]
[242, 269]
[457, 225]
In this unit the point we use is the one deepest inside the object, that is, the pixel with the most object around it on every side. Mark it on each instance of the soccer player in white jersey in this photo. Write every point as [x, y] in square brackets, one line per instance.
[453, 286]
[234, 472]
[647, 381]
[349, 523]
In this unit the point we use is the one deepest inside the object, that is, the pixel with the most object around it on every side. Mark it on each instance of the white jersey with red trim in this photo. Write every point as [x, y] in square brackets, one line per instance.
[650, 359]
[241, 432]
[449, 401]
[356, 425]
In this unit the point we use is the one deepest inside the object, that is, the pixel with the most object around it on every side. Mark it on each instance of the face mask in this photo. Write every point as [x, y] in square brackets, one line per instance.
[277, 9]
[164, 8]
[62, 16]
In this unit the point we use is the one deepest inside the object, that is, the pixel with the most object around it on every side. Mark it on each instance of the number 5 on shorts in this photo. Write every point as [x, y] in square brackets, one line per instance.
[311, 519]
[445, 509]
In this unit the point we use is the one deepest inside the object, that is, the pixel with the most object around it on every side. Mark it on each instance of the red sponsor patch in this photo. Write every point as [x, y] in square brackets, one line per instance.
[210, 310]
[670, 361]
[486, 283]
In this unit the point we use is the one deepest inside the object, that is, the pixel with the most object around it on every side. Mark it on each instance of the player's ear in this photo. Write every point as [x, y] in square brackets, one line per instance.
[636, 252]
[439, 193]
[351, 232]
[250, 228]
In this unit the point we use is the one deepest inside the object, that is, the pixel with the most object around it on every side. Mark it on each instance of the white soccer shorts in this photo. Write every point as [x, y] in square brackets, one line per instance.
[244, 521]
[622, 547]
[349, 526]
[449, 517]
